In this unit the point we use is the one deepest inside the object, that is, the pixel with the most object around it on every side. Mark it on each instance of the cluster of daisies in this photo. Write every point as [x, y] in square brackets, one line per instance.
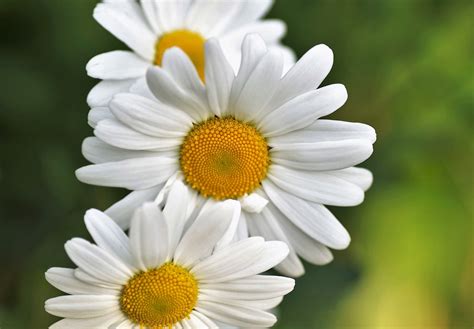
[218, 135]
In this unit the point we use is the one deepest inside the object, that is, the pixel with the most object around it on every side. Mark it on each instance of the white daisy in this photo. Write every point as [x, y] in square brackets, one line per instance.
[150, 27]
[256, 137]
[162, 277]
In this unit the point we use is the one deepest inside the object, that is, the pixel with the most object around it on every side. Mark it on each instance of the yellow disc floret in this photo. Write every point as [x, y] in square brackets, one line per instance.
[159, 298]
[191, 43]
[224, 158]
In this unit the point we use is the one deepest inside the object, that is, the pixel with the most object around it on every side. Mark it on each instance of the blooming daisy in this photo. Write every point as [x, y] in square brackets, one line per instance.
[150, 27]
[165, 277]
[256, 137]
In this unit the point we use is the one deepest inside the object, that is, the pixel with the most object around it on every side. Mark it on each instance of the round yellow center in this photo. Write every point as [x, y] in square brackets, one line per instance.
[190, 42]
[161, 297]
[224, 158]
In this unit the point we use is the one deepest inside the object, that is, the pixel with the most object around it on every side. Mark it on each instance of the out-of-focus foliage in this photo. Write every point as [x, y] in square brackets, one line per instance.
[408, 67]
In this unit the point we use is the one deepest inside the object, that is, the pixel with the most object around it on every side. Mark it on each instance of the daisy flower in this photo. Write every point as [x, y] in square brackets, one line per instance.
[150, 27]
[163, 276]
[256, 137]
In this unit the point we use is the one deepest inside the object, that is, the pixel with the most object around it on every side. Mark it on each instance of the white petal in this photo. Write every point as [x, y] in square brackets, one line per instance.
[175, 212]
[259, 304]
[99, 322]
[167, 91]
[127, 23]
[271, 31]
[97, 114]
[241, 259]
[252, 288]
[108, 235]
[101, 93]
[183, 71]
[203, 235]
[306, 75]
[236, 315]
[64, 280]
[210, 17]
[308, 248]
[219, 78]
[83, 276]
[119, 135]
[97, 262]
[117, 65]
[358, 176]
[320, 187]
[150, 117]
[322, 155]
[249, 11]
[313, 219]
[121, 212]
[265, 225]
[326, 130]
[253, 203]
[229, 235]
[303, 110]
[259, 87]
[253, 49]
[82, 306]
[149, 236]
[289, 59]
[204, 319]
[96, 151]
[242, 231]
[133, 174]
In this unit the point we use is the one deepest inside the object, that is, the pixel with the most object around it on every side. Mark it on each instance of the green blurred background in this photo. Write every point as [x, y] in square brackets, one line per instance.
[408, 67]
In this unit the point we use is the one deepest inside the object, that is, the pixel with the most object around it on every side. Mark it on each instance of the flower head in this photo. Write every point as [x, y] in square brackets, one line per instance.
[166, 276]
[151, 27]
[256, 137]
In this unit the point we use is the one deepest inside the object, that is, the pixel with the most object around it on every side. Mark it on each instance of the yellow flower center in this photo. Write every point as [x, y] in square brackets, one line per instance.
[159, 298]
[190, 42]
[224, 158]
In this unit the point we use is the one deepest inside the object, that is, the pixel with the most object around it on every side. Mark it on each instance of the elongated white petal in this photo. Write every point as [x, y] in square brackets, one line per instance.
[64, 280]
[204, 319]
[97, 262]
[150, 117]
[270, 30]
[183, 71]
[219, 78]
[117, 65]
[108, 235]
[97, 151]
[306, 75]
[176, 213]
[317, 186]
[265, 225]
[100, 95]
[121, 212]
[133, 174]
[167, 91]
[259, 87]
[308, 248]
[253, 49]
[241, 259]
[98, 322]
[82, 306]
[119, 135]
[358, 176]
[97, 114]
[326, 130]
[302, 110]
[251, 288]
[312, 218]
[127, 23]
[322, 155]
[203, 235]
[236, 315]
[149, 236]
